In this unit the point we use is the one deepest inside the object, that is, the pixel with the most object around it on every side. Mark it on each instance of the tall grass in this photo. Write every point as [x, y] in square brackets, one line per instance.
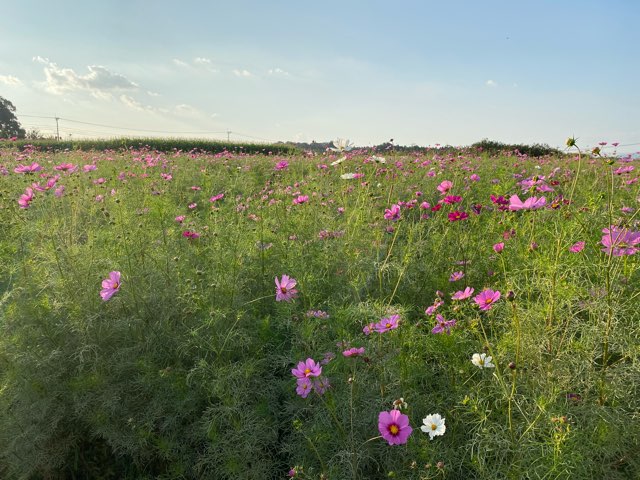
[186, 371]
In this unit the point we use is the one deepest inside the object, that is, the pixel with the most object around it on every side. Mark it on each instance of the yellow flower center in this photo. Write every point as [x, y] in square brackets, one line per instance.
[388, 325]
[116, 285]
[393, 429]
[307, 371]
[488, 301]
[481, 361]
[283, 289]
[434, 426]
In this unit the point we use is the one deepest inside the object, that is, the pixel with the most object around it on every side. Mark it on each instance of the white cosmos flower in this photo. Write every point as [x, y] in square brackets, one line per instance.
[341, 145]
[338, 161]
[378, 159]
[433, 425]
[482, 360]
[348, 176]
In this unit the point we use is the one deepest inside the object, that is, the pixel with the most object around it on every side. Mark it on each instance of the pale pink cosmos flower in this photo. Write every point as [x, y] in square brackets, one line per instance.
[487, 298]
[285, 289]
[300, 199]
[444, 187]
[498, 247]
[110, 286]
[455, 276]
[531, 203]
[353, 352]
[463, 294]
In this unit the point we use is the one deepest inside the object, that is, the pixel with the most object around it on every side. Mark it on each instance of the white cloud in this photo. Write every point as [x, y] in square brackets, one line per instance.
[153, 94]
[491, 83]
[278, 71]
[186, 110]
[99, 82]
[133, 104]
[242, 73]
[10, 80]
[202, 61]
[180, 63]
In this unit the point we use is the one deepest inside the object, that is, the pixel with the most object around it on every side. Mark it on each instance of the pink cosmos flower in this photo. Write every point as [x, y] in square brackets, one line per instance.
[531, 203]
[432, 309]
[281, 165]
[394, 427]
[620, 241]
[300, 199]
[308, 368]
[392, 213]
[474, 178]
[59, 191]
[192, 206]
[26, 198]
[65, 167]
[321, 385]
[353, 352]
[285, 289]
[498, 247]
[577, 247]
[444, 187]
[34, 167]
[386, 324]
[217, 197]
[487, 298]
[455, 276]
[180, 218]
[443, 325]
[190, 234]
[110, 286]
[463, 294]
[369, 328]
[304, 387]
[89, 168]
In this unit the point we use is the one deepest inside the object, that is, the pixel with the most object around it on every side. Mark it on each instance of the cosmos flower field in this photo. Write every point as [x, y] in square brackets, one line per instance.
[347, 315]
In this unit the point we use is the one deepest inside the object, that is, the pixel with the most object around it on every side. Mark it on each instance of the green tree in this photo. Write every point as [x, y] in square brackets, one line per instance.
[9, 125]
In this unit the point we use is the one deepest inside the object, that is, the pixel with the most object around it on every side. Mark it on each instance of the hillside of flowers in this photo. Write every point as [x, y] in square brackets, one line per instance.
[347, 315]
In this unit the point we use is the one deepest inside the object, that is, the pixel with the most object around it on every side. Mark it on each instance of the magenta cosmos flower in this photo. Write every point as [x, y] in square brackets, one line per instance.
[577, 247]
[531, 203]
[285, 289]
[487, 298]
[443, 325]
[457, 215]
[26, 198]
[386, 324]
[392, 213]
[620, 241]
[110, 286]
[394, 427]
[306, 369]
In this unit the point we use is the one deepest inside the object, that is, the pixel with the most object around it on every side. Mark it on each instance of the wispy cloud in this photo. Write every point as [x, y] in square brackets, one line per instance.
[491, 83]
[202, 61]
[242, 73]
[180, 63]
[10, 80]
[278, 72]
[100, 82]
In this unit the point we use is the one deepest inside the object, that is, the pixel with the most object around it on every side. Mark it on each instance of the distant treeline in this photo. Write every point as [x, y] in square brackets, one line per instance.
[157, 144]
[497, 148]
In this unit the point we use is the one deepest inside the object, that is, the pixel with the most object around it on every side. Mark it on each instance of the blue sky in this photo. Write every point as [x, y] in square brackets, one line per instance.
[420, 72]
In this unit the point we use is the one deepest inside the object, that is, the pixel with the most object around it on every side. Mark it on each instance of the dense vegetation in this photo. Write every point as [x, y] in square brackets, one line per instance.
[142, 335]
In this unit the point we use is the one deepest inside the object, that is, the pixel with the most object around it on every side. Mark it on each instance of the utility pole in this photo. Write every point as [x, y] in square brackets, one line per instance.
[57, 129]
[228, 133]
